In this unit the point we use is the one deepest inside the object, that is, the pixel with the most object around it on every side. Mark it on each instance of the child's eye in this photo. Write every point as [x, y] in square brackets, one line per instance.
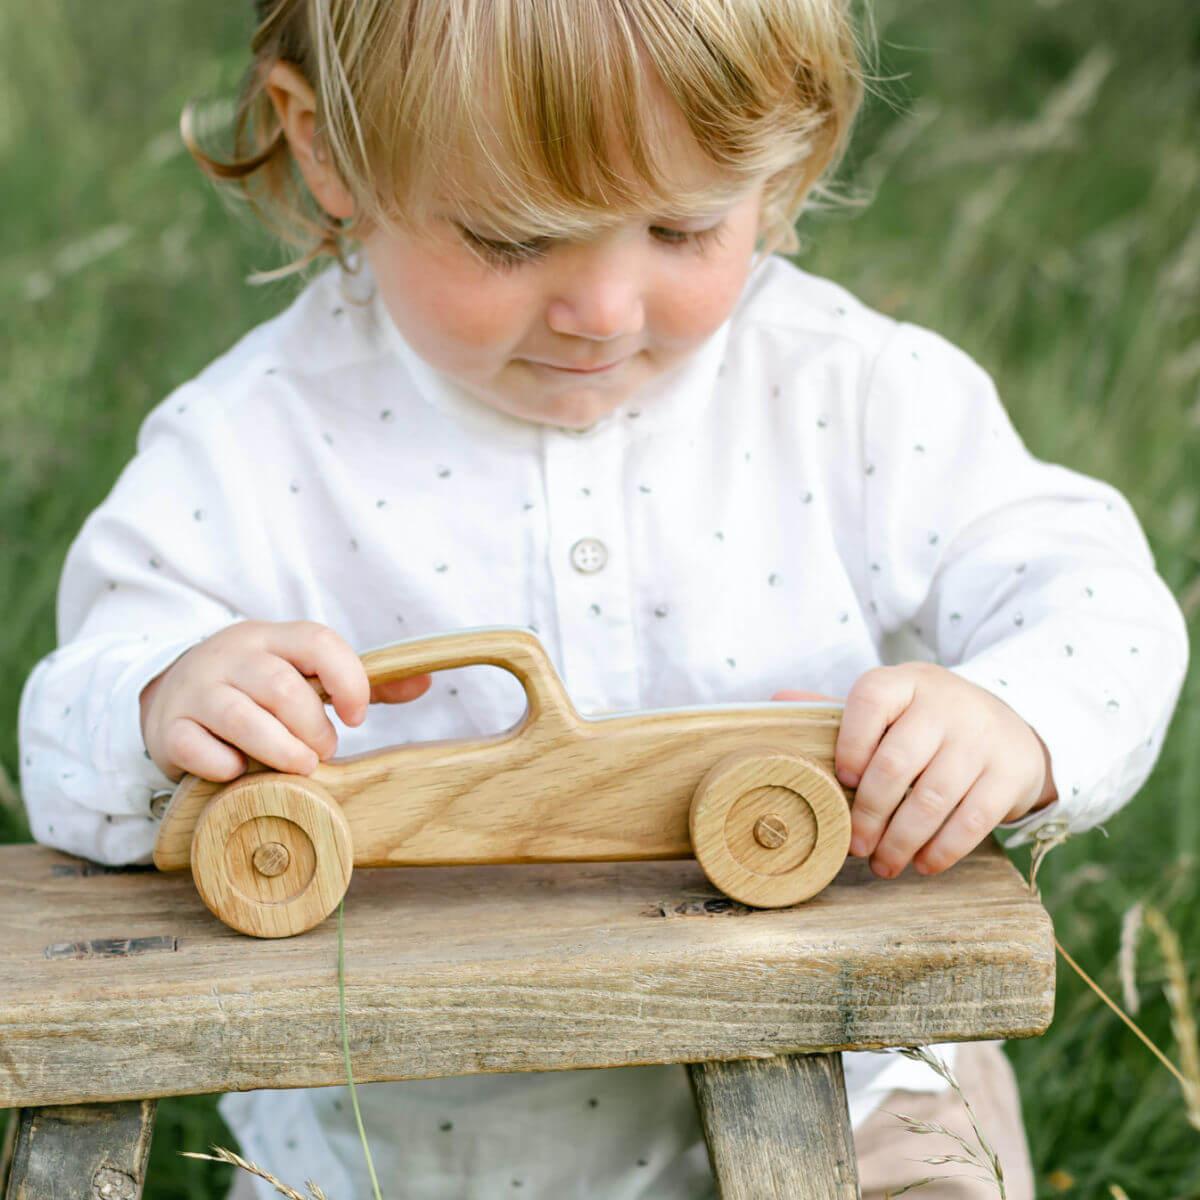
[511, 254]
[505, 254]
[699, 239]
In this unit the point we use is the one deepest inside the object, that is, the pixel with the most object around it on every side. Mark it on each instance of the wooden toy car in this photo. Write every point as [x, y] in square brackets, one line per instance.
[749, 789]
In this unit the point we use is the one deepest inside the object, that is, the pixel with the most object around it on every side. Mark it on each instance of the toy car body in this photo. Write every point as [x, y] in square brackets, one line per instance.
[748, 789]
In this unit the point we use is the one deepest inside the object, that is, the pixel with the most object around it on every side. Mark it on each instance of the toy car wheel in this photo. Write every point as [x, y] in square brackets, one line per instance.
[272, 854]
[770, 827]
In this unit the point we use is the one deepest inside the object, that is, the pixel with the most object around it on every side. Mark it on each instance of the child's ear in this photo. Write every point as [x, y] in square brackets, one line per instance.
[296, 107]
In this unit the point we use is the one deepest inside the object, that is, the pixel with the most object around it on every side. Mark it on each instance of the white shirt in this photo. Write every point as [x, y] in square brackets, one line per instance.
[818, 490]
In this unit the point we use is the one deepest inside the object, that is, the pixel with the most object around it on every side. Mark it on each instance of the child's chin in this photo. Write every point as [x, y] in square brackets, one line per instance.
[570, 404]
[577, 411]
[587, 415]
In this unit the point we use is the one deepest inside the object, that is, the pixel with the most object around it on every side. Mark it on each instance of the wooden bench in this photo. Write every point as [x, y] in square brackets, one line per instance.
[117, 986]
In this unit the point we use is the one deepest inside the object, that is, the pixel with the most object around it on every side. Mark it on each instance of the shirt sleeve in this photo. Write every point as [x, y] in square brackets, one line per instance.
[1031, 580]
[165, 561]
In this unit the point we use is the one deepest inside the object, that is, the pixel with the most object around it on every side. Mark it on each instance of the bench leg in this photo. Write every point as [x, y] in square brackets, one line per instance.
[80, 1151]
[777, 1127]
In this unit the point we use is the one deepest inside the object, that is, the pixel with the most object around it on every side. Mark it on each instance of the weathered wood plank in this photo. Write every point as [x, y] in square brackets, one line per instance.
[82, 1152]
[119, 985]
[777, 1127]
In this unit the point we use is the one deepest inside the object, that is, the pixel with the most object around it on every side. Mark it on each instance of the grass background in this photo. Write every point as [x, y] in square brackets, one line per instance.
[1035, 168]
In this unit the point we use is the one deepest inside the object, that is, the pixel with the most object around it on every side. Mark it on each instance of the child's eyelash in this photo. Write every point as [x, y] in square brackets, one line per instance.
[512, 254]
[505, 254]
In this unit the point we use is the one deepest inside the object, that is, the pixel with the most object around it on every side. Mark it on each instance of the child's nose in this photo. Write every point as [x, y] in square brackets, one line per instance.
[600, 299]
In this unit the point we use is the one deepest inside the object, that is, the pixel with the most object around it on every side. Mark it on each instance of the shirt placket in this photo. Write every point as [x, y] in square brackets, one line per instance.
[589, 566]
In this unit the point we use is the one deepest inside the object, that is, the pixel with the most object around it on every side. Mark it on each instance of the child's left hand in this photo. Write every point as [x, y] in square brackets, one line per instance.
[969, 759]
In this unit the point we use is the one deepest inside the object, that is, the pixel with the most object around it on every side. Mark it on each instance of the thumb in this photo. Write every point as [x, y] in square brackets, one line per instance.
[398, 691]
[804, 696]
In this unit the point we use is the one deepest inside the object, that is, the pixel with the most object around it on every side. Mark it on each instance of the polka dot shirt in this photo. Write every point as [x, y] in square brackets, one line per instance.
[817, 490]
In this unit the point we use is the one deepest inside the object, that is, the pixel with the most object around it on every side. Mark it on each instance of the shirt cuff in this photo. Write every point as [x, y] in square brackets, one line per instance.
[1047, 822]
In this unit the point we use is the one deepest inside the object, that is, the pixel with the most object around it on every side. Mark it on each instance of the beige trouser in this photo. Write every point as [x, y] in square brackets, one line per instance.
[889, 1156]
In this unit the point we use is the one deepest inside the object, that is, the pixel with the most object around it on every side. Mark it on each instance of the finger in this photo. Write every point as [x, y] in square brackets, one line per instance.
[317, 651]
[228, 713]
[398, 691]
[977, 814]
[905, 750]
[934, 796]
[803, 696]
[878, 698]
[276, 685]
[194, 750]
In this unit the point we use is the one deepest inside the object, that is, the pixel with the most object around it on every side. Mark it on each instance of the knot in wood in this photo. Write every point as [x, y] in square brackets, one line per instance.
[111, 1184]
[272, 858]
[770, 831]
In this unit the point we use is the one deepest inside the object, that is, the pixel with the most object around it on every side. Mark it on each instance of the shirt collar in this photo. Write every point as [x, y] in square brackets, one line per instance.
[439, 390]
[679, 396]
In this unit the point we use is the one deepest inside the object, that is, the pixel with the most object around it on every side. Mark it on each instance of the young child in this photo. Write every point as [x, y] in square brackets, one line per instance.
[559, 378]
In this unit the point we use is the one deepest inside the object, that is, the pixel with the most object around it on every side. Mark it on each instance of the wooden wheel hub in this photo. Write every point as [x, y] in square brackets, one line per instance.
[770, 831]
[272, 854]
[770, 827]
[271, 858]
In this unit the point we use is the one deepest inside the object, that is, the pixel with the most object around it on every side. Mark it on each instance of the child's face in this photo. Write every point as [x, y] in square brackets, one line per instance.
[635, 301]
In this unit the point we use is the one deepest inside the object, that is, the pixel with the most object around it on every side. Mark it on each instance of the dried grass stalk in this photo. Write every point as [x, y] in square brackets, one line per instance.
[228, 1156]
[981, 1155]
[1131, 927]
[1178, 993]
[1044, 844]
[1183, 1020]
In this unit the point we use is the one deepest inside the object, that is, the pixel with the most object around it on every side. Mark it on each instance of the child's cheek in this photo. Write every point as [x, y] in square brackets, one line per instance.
[691, 304]
[465, 313]
[694, 298]
[449, 314]
[698, 301]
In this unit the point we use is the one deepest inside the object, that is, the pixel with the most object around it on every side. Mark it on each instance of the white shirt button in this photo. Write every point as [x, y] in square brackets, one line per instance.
[589, 554]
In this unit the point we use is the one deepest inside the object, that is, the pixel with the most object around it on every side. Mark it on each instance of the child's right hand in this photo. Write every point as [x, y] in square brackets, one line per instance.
[243, 689]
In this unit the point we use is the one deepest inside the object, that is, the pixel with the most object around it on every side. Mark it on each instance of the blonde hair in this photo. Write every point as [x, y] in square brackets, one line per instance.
[767, 88]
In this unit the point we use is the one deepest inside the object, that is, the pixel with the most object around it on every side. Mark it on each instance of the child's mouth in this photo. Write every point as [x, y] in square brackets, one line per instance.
[578, 370]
